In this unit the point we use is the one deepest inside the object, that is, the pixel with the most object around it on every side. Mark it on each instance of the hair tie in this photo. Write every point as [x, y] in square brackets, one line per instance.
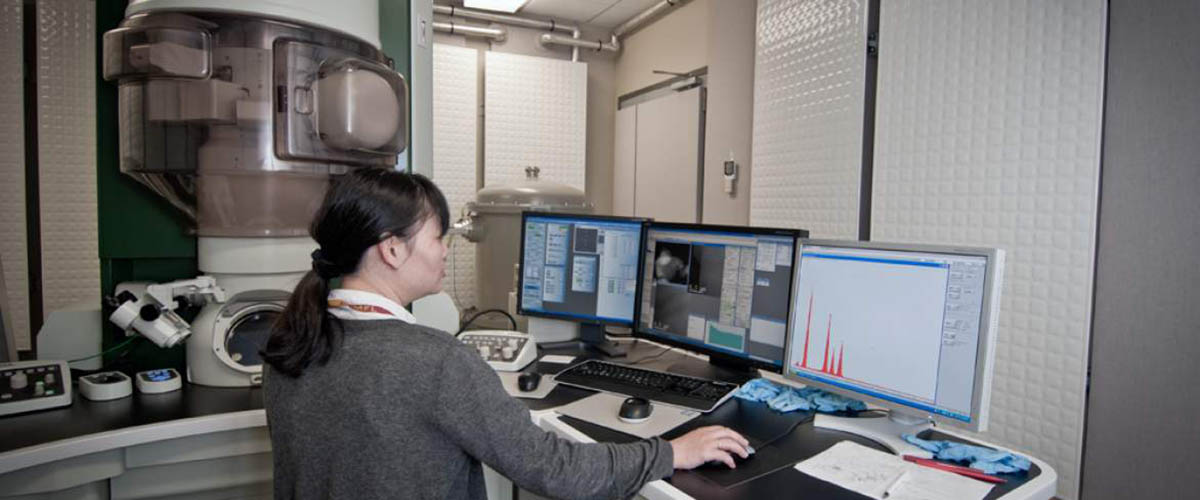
[324, 268]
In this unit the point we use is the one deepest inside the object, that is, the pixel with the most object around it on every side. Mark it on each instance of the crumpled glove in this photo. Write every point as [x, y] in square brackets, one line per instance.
[984, 459]
[759, 389]
[789, 400]
[786, 399]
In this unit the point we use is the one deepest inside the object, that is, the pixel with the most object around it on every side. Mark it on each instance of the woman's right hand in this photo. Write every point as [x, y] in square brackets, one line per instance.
[708, 444]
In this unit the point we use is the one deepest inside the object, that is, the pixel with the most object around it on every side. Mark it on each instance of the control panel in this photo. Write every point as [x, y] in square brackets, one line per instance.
[504, 350]
[34, 385]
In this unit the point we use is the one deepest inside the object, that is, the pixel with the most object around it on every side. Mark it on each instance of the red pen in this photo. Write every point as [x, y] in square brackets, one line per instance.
[957, 469]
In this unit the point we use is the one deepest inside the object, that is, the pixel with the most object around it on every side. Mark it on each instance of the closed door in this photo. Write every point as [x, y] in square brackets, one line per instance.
[657, 171]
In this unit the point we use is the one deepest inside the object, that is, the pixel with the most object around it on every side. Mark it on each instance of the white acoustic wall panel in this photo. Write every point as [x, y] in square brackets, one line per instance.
[66, 85]
[13, 246]
[455, 119]
[809, 85]
[535, 113]
[988, 133]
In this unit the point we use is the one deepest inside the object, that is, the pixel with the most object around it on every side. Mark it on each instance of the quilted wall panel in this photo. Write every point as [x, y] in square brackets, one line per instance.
[66, 84]
[13, 247]
[809, 84]
[988, 133]
[535, 114]
[455, 121]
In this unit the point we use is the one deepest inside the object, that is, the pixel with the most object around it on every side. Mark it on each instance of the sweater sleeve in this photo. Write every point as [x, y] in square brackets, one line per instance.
[475, 412]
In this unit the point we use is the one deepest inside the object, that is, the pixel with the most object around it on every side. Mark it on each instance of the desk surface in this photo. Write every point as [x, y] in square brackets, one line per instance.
[87, 426]
[770, 471]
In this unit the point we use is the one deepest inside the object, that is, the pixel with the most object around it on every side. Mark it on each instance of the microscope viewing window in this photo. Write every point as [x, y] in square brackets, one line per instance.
[248, 335]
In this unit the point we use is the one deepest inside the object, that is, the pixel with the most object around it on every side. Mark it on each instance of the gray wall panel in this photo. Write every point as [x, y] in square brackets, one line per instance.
[1141, 435]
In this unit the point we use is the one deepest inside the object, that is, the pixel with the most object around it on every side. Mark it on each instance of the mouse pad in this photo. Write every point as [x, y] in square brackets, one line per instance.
[761, 426]
[601, 409]
[509, 379]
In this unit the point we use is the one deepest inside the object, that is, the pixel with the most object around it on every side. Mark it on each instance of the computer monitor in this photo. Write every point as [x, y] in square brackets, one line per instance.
[719, 290]
[907, 327]
[582, 268]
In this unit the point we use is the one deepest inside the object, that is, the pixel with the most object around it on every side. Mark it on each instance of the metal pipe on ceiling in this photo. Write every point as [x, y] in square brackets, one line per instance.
[496, 34]
[627, 27]
[579, 43]
[642, 18]
[511, 20]
[575, 42]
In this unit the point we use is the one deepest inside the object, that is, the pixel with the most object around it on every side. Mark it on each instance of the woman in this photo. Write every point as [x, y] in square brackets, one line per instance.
[364, 403]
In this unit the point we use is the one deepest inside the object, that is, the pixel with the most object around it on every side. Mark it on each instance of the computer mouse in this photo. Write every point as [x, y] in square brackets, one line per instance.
[527, 382]
[737, 459]
[635, 411]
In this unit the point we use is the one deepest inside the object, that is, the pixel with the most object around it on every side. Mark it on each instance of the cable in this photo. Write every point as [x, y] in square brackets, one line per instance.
[111, 349]
[472, 319]
[650, 357]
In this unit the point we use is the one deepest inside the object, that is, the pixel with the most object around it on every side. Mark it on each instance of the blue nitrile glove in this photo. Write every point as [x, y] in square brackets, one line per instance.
[759, 389]
[789, 400]
[784, 399]
[984, 459]
[827, 402]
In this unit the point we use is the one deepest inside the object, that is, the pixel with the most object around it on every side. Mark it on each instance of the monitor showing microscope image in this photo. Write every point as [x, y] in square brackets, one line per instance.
[719, 290]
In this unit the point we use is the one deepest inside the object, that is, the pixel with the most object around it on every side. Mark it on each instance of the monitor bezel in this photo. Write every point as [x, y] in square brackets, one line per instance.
[720, 357]
[984, 360]
[637, 300]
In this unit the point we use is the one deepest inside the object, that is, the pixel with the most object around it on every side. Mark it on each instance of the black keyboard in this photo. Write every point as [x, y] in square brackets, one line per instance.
[676, 390]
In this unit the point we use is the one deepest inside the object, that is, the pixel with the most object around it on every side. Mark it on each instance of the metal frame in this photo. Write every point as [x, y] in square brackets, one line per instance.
[8, 337]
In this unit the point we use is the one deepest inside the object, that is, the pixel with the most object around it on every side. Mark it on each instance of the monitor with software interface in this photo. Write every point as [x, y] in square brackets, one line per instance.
[907, 327]
[580, 268]
[719, 290]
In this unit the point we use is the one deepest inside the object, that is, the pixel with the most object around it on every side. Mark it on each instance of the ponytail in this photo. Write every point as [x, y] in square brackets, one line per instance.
[306, 331]
[359, 209]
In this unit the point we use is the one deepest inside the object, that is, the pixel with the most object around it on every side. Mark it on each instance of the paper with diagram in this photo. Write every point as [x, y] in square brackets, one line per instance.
[881, 475]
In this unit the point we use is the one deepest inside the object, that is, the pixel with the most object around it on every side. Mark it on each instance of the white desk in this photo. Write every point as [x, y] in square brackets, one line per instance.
[213, 443]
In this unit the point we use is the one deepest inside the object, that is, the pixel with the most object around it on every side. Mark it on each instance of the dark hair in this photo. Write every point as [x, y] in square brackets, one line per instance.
[360, 209]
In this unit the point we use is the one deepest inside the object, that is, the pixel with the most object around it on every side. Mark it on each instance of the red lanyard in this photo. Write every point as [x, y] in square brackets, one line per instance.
[362, 308]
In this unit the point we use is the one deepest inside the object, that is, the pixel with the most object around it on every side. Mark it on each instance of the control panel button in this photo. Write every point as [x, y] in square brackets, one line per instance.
[18, 381]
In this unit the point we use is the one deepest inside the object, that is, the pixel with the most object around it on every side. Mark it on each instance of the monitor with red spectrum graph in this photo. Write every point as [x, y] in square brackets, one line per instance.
[907, 327]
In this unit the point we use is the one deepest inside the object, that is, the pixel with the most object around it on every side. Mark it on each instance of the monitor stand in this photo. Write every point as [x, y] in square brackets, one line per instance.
[592, 335]
[715, 369]
[883, 430]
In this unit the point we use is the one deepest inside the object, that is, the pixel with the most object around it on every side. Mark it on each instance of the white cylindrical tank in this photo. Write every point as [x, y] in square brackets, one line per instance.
[496, 229]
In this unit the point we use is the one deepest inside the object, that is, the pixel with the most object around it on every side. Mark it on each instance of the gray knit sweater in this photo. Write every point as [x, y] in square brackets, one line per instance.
[405, 411]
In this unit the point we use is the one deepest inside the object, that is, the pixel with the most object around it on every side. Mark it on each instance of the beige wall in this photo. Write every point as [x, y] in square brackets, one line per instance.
[730, 109]
[675, 42]
[718, 34]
